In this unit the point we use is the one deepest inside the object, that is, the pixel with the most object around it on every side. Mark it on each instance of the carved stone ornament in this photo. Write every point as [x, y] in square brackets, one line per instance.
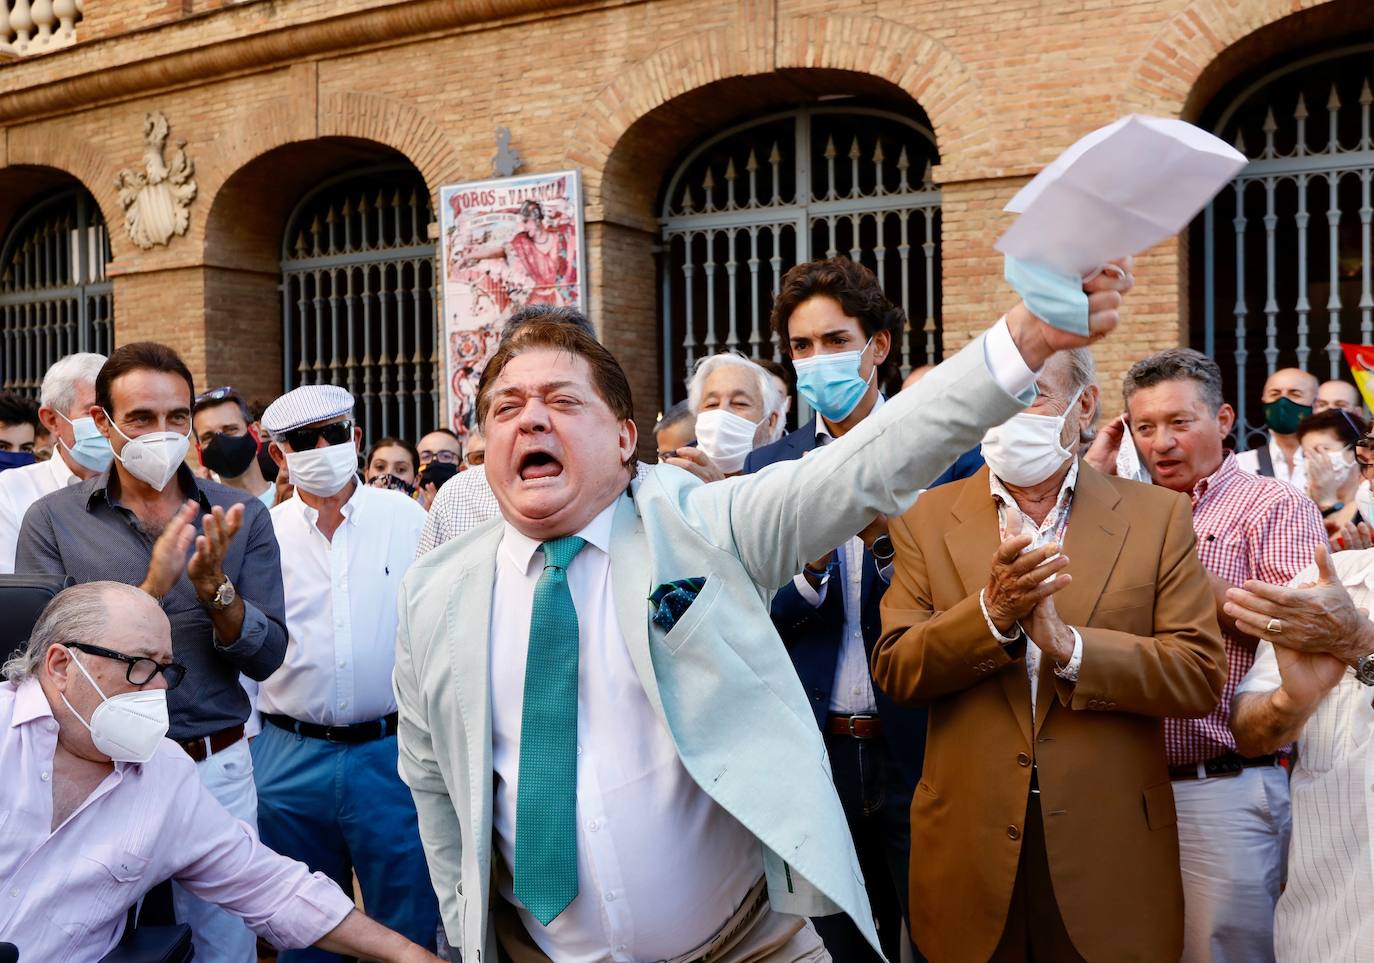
[156, 199]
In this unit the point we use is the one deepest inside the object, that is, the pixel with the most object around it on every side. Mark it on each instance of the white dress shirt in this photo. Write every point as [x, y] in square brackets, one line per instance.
[1324, 913]
[1041, 534]
[852, 692]
[20, 488]
[1249, 461]
[341, 607]
[661, 867]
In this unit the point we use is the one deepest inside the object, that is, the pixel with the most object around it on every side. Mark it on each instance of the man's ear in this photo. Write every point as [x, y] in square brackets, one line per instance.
[629, 438]
[278, 456]
[882, 345]
[1226, 419]
[357, 436]
[49, 420]
[102, 421]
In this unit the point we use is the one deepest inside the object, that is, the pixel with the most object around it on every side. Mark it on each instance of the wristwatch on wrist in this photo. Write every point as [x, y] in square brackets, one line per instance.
[1364, 669]
[224, 596]
[883, 550]
[1328, 512]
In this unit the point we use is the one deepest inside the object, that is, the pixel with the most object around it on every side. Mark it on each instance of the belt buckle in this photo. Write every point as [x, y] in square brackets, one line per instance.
[330, 734]
[863, 718]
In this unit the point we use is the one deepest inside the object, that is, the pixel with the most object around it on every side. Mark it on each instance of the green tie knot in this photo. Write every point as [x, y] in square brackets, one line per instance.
[559, 552]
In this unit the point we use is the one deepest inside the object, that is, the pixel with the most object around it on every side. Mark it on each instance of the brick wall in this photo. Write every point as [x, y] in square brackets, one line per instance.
[616, 89]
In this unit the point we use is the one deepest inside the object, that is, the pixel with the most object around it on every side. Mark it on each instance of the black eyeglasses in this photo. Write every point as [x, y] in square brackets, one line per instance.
[304, 439]
[443, 456]
[141, 669]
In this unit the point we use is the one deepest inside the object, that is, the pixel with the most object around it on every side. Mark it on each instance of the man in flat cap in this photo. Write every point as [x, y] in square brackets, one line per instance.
[328, 789]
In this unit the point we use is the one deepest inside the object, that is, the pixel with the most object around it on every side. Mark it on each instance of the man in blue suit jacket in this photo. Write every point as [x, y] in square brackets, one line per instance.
[828, 615]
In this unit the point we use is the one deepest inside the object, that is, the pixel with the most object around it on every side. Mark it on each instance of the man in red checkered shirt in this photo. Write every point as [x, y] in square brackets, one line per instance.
[1233, 812]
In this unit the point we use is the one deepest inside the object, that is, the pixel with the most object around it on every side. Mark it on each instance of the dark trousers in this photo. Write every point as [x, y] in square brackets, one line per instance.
[1035, 931]
[877, 804]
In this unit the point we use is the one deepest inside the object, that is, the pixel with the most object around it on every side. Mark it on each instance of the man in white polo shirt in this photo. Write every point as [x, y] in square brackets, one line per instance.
[329, 793]
[67, 394]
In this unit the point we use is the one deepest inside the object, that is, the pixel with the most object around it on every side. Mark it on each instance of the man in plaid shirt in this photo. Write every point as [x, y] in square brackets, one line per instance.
[1233, 812]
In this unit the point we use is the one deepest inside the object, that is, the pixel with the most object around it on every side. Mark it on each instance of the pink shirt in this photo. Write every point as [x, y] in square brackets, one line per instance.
[64, 895]
[1247, 527]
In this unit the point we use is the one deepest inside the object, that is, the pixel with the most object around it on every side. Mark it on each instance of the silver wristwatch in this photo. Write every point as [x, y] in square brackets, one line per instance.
[224, 596]
[1364, 669]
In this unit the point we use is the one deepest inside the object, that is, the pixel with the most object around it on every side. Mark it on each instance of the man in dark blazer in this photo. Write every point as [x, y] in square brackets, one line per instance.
[828, 617]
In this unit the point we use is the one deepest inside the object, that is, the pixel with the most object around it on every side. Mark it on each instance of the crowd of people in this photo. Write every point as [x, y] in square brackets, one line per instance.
[960, 672]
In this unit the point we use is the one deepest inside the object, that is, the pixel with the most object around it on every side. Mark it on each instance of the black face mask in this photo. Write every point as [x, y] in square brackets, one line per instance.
[267, 465]
[229, 456]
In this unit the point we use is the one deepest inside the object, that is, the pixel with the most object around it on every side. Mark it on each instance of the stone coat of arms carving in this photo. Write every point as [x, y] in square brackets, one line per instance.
[157, 199]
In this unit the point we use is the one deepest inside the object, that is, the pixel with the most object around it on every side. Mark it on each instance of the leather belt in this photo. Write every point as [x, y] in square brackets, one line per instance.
[206, 746]
[1230, 764]
[860, 727]
[351, 734]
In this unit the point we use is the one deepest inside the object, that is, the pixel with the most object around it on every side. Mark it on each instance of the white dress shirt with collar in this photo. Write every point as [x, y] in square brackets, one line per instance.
[20, 488]
[852, 692]
[1297, 477]
[341, 607]
[661, 867]
[1040, 534]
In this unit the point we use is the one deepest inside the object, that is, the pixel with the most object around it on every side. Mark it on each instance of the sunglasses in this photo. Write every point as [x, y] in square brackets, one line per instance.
[304, 439]
[1364, 452]
[215, 394]
[140, 669]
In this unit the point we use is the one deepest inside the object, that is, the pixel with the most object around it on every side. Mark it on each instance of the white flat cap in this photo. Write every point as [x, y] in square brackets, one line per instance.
[305, 406]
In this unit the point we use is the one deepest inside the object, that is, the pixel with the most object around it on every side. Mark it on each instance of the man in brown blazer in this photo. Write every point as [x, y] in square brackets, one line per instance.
[1043, 827]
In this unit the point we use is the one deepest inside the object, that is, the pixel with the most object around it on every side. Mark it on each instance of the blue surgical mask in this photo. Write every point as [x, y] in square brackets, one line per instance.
[91, 451]
[831, 383]
[15, 459]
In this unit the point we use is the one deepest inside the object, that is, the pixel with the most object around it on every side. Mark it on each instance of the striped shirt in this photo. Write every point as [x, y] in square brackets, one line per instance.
[1323, 915]
[1247, 527]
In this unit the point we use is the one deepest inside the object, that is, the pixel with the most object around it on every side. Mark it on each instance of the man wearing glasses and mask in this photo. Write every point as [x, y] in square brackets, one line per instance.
[328, 788]
[228, 443]
[138, 522]
[104, 807]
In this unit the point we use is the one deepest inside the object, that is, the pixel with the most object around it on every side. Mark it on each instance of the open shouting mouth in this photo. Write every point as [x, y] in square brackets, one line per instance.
[538, 464]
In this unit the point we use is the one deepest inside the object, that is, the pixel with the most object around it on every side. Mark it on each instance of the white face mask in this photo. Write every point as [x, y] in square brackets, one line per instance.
[1341, 462]
[1025, 450]
[323, 472]
[1364, 502]
[152, 458]
[725, 438]
[128, 727]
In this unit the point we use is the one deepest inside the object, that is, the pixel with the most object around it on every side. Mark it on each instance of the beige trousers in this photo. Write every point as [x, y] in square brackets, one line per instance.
[755, 934]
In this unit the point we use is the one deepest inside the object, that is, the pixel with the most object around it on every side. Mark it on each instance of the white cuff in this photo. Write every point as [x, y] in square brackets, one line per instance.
[1004, 361]
[813, 597]
[1069, 673]
[1004, 640]
[885, 572]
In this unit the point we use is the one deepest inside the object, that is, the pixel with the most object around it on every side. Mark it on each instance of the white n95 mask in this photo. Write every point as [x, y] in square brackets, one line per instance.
[323, 471]
[1025, 449]
[128, 727]
[725, 438]
[152, 458]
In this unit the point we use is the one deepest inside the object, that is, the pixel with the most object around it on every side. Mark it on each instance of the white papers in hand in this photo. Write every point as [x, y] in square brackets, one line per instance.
[1117, 191]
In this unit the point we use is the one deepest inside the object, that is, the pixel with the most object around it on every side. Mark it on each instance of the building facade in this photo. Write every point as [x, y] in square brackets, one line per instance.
[255, 182]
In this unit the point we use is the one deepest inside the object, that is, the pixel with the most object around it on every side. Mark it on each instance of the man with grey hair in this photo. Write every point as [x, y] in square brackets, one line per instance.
[1050, 617]
[66, 397]
[1233, 810]
[737, 407]
[110, 808]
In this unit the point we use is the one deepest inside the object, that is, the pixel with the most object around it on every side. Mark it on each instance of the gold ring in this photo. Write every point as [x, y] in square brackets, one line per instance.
[1275, 627]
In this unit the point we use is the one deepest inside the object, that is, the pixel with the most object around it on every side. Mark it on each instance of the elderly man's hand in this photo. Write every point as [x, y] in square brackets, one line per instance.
[1307, 676]
[1037, 340]
[695, 461]
[1049, 633]
[1352, 538]
[1020, 579]
[1318, 617]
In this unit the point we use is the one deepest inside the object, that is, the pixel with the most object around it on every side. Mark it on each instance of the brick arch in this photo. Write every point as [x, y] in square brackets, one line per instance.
[87, 165]
[1166, 74]
[396, 124]
[920, 65]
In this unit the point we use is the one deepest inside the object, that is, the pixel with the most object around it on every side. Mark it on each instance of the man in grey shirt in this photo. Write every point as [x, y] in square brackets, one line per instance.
[136, 523]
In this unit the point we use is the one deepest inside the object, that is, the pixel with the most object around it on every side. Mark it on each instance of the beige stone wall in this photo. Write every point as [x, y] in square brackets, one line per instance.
[271, 95]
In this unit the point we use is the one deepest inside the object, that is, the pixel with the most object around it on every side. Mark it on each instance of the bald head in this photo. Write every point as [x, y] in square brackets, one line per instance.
[109, 614]
[1291, 383]
[1339, 394]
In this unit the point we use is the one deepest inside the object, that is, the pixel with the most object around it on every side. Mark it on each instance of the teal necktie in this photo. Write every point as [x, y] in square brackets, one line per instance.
[546, 807]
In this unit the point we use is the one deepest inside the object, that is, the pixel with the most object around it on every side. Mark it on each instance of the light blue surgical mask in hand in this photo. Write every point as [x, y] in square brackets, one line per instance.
[831, 383]
[91, 451]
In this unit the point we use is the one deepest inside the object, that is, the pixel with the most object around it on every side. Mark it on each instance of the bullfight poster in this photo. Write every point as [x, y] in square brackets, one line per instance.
[506, 243]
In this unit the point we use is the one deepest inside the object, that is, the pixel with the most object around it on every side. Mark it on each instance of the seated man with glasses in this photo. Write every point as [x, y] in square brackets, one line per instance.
[102, 807]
